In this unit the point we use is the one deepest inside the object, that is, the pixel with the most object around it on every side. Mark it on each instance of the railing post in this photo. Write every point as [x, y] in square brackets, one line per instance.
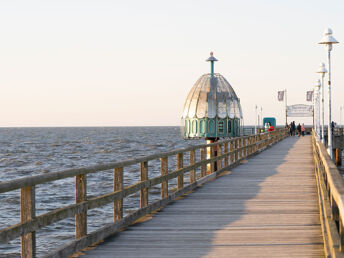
[231, 147]
[225, 152]
[117, 186]
[251, 142]
[204, 166]
[212, 155]
[163, 171]
[180, 178]
[244, 147]
[236, 150]
[192, 172]
[144, 177]
[80, 196]
[219, 153]
[341, 235]
[28, 212]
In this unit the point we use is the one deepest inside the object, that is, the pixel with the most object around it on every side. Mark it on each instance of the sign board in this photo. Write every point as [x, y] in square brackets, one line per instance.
[280, 95]
[300, 110]
[309, 96]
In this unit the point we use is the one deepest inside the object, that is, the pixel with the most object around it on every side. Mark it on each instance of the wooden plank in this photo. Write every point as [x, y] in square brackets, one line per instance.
[117, 186]
[27, 213]
[144, 177]
[80, 196]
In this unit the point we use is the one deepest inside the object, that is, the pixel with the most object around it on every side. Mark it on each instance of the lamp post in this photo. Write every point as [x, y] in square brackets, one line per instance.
[322, 70]
[317, 107]
[328, 41]
[286, 105]
[261, 115]
[255, 125]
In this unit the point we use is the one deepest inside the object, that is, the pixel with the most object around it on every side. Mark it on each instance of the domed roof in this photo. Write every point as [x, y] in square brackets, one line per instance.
[212, 96]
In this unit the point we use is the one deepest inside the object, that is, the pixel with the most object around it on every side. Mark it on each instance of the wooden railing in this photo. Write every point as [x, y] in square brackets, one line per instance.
[226, 154]
[331, 200]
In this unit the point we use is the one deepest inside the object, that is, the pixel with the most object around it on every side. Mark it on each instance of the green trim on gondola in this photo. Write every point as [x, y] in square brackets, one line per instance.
[211, 127]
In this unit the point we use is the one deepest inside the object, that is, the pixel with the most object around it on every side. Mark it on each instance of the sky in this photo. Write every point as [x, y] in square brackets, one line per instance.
[132, 63]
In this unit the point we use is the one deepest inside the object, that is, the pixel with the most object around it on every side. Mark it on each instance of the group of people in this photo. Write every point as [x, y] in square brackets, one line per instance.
[299, 129]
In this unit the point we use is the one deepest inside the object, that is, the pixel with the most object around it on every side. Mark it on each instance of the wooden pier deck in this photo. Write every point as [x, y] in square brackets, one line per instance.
[266, 207]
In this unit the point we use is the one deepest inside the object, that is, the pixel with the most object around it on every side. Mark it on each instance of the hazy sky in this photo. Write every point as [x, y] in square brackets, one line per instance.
[114, 63]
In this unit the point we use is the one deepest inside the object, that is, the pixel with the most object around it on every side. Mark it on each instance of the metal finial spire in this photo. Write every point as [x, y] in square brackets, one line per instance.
[211, 59]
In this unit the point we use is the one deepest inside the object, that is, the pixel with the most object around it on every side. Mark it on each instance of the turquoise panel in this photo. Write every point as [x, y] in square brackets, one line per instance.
[202, 126]
[194, 127]
[211, 127]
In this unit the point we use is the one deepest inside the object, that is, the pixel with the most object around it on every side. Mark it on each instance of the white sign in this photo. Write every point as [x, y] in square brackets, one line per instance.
[309, 96]
[300, 110]
[280, 95]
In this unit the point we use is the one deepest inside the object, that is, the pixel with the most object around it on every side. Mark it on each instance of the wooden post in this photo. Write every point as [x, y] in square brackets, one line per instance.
[180, 178]
[341, 235]
[338, 157]
[245, 149]
[335, 210]
[236, 150]
[219, 153]
[144, 177]
[163, 171]
[225, 152]
[231, 147]
[28, 212]
[192, 161]
[203, 167]
[250, 150]
[212, 155]
[117, 186]
[80, 196]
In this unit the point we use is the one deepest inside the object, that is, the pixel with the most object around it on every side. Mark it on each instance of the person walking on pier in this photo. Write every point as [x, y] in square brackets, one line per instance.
[293, 128]
[298, 130]
[303, 130]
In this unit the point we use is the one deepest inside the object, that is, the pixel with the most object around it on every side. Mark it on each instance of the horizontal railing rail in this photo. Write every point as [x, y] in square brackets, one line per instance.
[331, 199]
[214, 158]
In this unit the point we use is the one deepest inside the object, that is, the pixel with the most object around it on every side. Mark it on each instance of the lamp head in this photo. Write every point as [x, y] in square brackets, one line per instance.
[322, 69]
[328, 39]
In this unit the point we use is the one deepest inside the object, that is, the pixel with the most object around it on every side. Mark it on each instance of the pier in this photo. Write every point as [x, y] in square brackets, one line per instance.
[267, 194]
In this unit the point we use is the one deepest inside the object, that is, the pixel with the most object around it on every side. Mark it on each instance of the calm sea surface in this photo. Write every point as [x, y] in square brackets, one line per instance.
[33, 151]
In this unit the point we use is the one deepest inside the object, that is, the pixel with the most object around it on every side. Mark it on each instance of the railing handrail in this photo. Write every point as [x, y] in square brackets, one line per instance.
[236, 149]
[331, 194]
[59, 175]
